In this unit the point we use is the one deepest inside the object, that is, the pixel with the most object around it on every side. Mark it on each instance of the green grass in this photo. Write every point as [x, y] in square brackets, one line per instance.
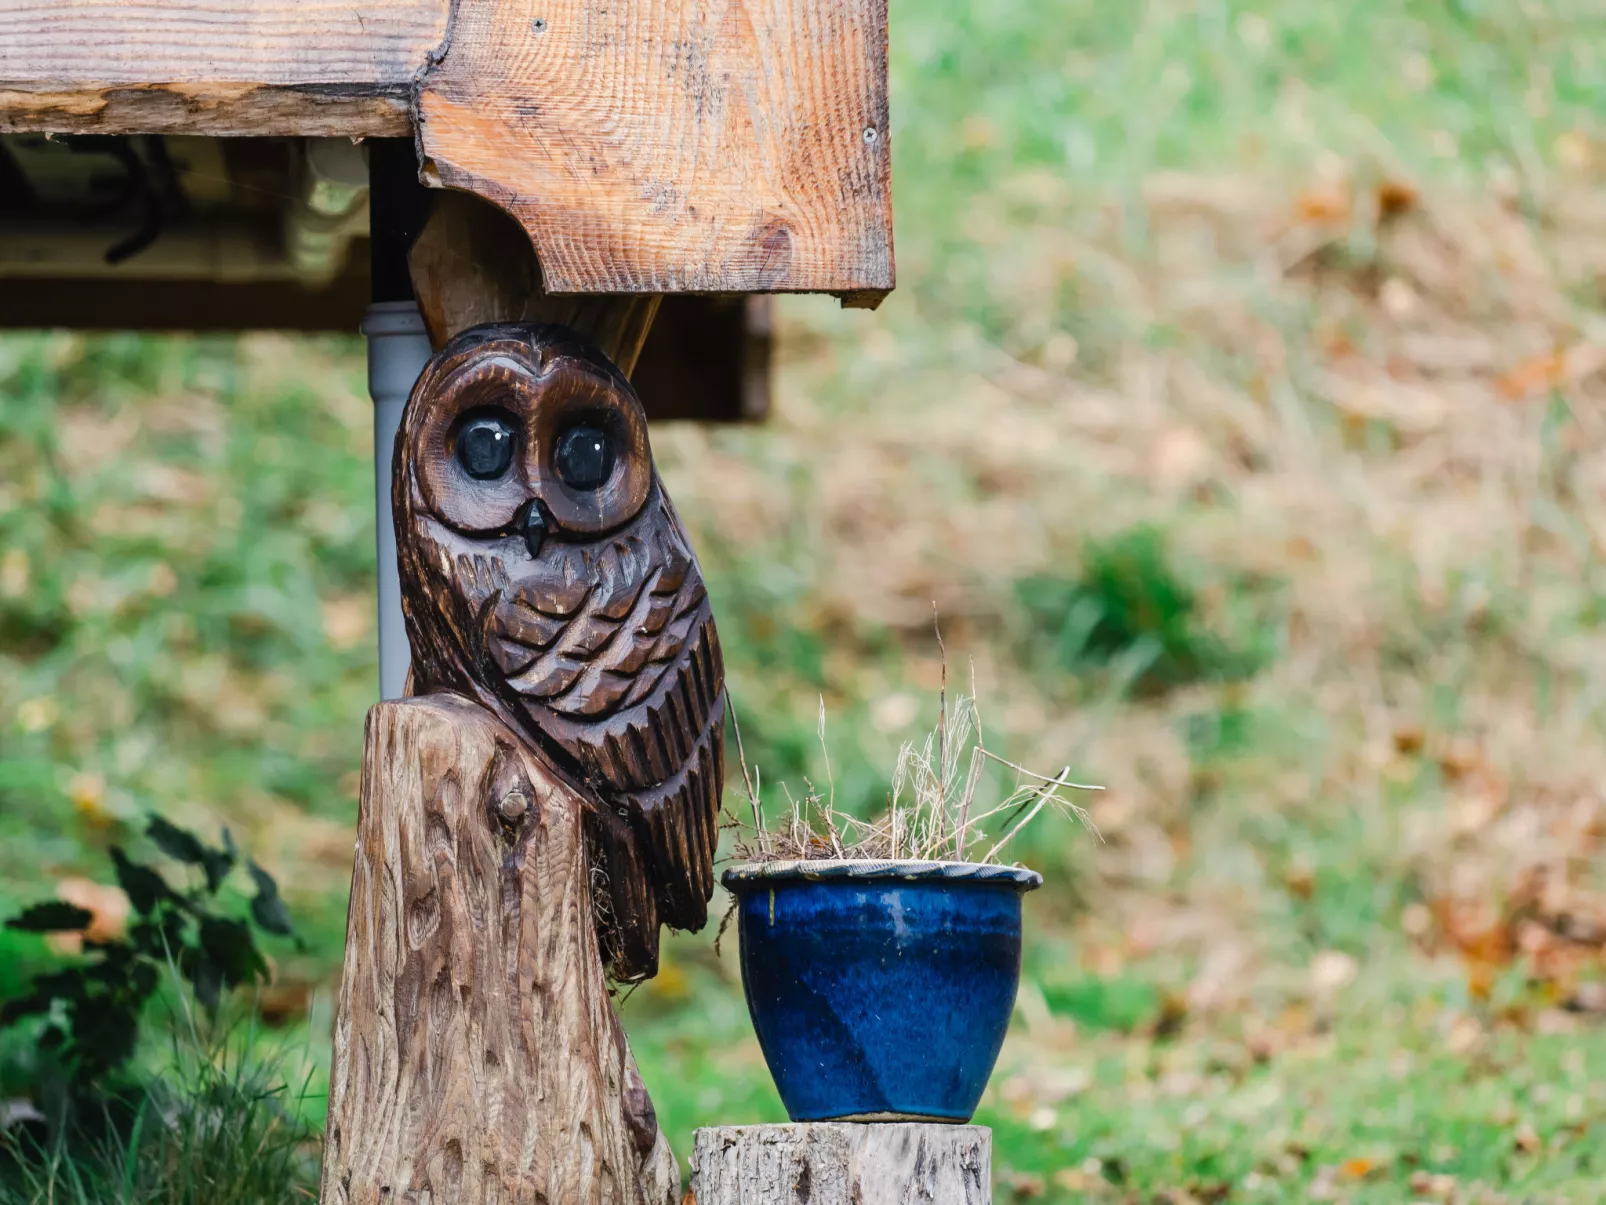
[219, 1126]
[1261, 510]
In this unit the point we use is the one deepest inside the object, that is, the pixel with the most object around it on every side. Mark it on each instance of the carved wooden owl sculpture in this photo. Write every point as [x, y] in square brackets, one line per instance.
[545, 574]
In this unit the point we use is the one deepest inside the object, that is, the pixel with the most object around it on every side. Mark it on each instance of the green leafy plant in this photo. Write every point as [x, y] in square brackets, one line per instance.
[219, 1124]
[93, 1007]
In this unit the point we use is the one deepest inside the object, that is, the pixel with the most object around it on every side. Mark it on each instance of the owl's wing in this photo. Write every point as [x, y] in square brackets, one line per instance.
[609, 651]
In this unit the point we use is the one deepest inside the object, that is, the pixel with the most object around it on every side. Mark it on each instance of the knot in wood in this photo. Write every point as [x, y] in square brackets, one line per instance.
[513, 805]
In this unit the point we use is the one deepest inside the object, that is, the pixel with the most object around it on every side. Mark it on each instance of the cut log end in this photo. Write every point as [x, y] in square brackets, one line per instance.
[839, 1163]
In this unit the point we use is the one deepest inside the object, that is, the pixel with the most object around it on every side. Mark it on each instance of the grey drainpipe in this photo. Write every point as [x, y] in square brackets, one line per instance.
[397, 351]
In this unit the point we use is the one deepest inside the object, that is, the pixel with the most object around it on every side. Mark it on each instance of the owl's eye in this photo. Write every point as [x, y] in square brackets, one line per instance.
[583, 457]
[485, 445]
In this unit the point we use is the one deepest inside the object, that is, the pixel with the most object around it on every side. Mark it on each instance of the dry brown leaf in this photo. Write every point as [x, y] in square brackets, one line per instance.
[108, 908]
[1395, 197]
[1358, 1168]
[1531, 376]
[1328, 205]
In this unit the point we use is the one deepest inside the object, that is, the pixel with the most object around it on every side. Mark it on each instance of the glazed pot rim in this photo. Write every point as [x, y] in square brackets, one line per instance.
[811, 870]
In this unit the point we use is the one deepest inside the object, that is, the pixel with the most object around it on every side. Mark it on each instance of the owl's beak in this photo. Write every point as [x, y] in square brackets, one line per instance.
[533, 526]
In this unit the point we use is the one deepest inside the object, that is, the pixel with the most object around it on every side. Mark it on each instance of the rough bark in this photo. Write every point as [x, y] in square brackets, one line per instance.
[477, 1057]
[836, 1163]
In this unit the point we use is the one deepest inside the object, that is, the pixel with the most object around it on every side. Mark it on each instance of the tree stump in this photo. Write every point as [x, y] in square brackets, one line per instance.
[841, 1163]
[477, 1056]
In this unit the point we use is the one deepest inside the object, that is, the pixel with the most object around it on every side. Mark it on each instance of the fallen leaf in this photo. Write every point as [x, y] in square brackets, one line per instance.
[1326, 205]
[1299, 881]
[280, 1003]
[1358, 1168]
[1531, 376]
[1074, 1179]
[1023, 1186]
[1395, 197]
[107, 906]
[1431, 1184]
[1409, 739]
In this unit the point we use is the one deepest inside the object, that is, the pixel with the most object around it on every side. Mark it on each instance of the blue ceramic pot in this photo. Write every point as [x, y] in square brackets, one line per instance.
[880, 990]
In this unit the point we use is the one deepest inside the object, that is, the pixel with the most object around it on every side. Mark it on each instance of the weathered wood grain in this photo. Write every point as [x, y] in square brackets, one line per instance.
[674, 146]
[249, 67]
[223, 108]
[657, 146]
[834, 1163]
[477, 1057]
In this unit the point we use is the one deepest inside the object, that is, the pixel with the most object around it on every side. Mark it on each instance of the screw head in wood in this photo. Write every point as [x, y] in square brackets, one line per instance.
[871, 134]
[538, 25]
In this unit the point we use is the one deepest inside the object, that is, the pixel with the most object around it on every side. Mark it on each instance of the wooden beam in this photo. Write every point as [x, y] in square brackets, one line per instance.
[648, 146]
[706, 359]
[224, 108]
[223, 67]
[676, 146]
[133, 303]
[717, 146]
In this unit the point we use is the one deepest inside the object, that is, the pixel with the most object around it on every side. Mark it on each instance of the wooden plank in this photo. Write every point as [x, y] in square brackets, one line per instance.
[240, 67]
[674, 146]
[226, 109]
[132, 303]
[649, 146]
[706, 359]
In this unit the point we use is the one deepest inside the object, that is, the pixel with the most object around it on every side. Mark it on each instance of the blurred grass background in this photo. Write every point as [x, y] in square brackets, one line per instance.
[1239, 408]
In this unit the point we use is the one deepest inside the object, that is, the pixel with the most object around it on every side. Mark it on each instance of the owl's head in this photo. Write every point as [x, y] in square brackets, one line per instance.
[529, 432]
[522, 455]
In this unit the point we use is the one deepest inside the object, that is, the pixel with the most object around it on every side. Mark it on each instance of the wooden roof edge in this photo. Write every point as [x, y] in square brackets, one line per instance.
[745, 149]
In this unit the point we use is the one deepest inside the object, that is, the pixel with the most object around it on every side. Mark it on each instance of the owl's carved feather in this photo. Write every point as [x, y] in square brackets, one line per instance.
[601, 648]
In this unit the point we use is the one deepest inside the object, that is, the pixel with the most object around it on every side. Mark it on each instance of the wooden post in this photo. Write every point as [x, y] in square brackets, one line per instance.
[477, 1057]
[839, 1163]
